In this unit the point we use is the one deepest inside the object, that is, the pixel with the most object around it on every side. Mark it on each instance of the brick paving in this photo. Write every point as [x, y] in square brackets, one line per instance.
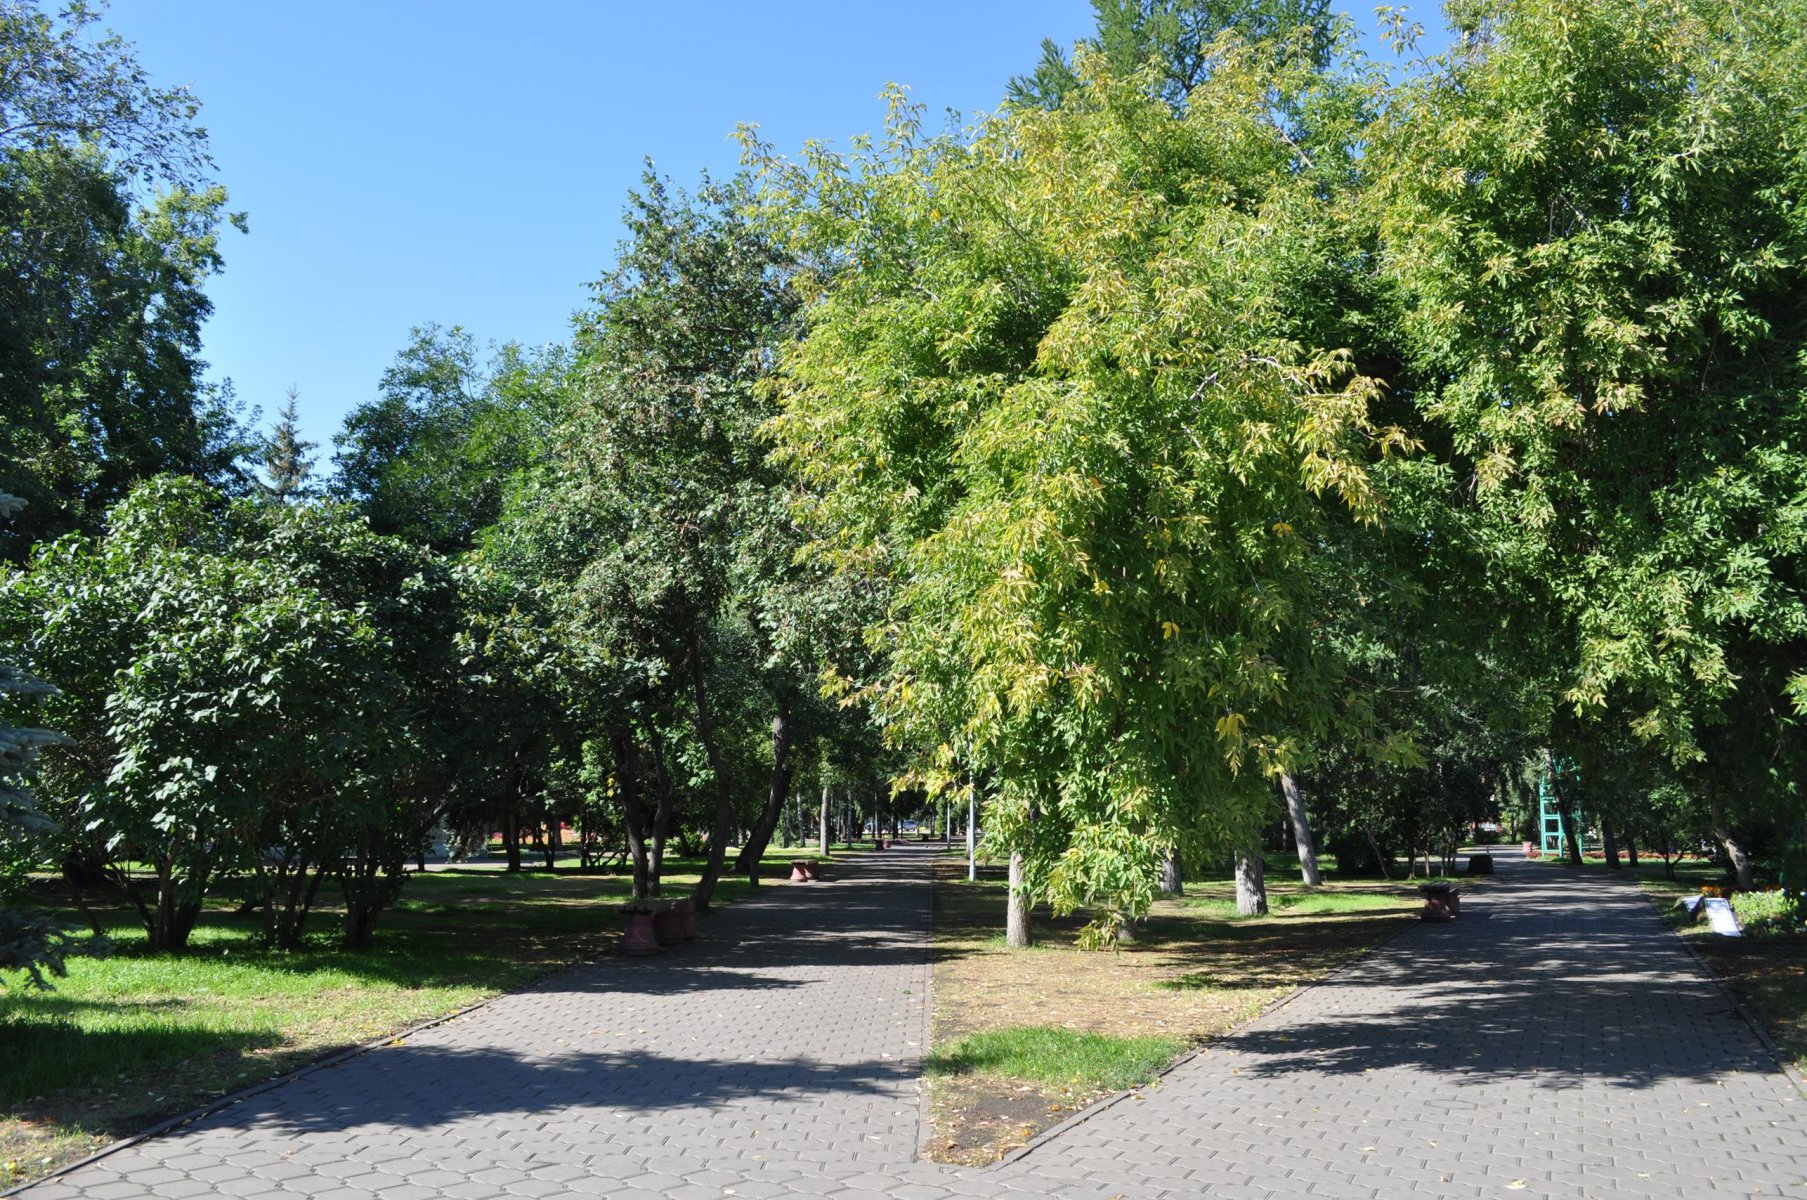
[1557, 1040]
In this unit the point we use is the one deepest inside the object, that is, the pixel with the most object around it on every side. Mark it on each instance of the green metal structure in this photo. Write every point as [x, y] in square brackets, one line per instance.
[1552, 819]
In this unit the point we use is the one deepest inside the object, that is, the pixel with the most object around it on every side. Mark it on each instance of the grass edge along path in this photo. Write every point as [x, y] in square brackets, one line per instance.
[131, 1042]
[1765, 976]
[1024, 1040]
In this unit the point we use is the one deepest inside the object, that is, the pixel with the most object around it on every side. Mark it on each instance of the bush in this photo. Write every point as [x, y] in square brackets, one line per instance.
[1768, 913]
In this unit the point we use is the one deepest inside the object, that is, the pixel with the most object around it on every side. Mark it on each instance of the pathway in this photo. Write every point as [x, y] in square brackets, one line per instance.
[1556, 1041]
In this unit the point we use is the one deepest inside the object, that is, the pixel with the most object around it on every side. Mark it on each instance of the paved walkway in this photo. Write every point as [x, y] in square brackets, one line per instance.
[1556, 1041]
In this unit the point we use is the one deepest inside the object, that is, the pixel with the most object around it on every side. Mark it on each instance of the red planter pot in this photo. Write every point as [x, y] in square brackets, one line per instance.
[640, 937]
[668, 927]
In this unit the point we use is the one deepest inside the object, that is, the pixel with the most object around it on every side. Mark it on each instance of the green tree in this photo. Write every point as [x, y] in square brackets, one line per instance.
[29, 942]
[101, 277]
[430, 457]
[256, 690]
[287, 465]
[663, 536]
[1180, 37]
[1052, 383]
[1588, 216]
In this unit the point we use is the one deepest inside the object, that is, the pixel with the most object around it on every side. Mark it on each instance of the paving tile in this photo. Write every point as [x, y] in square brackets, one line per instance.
[1557, 1034]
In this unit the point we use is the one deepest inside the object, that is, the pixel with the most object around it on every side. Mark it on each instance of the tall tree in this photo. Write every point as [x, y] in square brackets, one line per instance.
[1181, 39]
[430, 458]
[659, 525]
[288, 468]
[1054, 384]
[101, 289]
[29, 942]
[1590, 218]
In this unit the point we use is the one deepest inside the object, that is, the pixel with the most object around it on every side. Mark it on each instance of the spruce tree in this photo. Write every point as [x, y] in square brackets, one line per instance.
[288, 467]
[28, 941]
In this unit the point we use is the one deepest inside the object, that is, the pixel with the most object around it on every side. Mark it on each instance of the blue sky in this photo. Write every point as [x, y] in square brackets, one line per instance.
[404, 162]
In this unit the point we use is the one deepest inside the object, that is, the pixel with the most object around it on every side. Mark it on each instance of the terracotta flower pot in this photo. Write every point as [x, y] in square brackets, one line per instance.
[686, 910]
[668, 926]
[640, 938]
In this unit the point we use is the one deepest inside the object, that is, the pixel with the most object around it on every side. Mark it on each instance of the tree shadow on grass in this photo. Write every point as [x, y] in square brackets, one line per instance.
[140, 1073]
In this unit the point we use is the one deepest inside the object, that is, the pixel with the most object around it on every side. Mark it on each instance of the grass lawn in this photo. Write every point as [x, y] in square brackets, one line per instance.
[1023, 1039]
[1767, 974]
[130, 1039]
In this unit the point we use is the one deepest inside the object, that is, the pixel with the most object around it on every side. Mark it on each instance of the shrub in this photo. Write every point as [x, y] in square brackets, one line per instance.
[1768, 913]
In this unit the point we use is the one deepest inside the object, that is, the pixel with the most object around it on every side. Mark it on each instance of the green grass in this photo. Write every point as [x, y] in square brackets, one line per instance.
[1291, 903]
[1062, 1057]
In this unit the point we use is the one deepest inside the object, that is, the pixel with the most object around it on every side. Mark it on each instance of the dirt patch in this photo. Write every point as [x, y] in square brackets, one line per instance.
[1769, 977]
[1193, 974]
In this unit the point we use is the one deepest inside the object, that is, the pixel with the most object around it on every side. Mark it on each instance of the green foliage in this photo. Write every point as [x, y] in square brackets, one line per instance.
[68, 83]
[430, 458]
[1052, 387]
[1768, 913]
[250, 688]
[1180, 40]
[29, 942]
[1588, 214]
[101, 302]
[287, 466]
[658, 537]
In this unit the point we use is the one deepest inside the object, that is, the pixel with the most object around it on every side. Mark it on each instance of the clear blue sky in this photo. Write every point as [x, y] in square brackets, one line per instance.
[404, 161]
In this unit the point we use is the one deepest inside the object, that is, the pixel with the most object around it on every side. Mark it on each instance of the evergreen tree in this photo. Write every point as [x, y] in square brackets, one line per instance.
[28, 942]
[287, 465]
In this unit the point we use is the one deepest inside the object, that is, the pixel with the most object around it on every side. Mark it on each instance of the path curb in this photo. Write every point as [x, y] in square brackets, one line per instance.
[1098, 1106]
[1782, 1060]
[275, 1081]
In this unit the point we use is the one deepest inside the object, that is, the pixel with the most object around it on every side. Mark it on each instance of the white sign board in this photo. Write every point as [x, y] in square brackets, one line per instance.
[1721, 917]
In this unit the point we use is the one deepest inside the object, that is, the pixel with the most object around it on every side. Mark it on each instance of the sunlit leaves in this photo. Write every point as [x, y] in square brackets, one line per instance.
[1052, 386]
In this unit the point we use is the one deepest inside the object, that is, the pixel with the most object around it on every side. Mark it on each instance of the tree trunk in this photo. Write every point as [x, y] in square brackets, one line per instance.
[822, 830]
[1609, 845]
[777, 793]
[1301, 823]
[1173, 881]
[662, 811]
[633, 812]
[1382, 862]
[1016, 916]
[724, 787]
[1631, 849]
[511, 836]
[1742, 873]
[1251, 884]
[81, 901]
